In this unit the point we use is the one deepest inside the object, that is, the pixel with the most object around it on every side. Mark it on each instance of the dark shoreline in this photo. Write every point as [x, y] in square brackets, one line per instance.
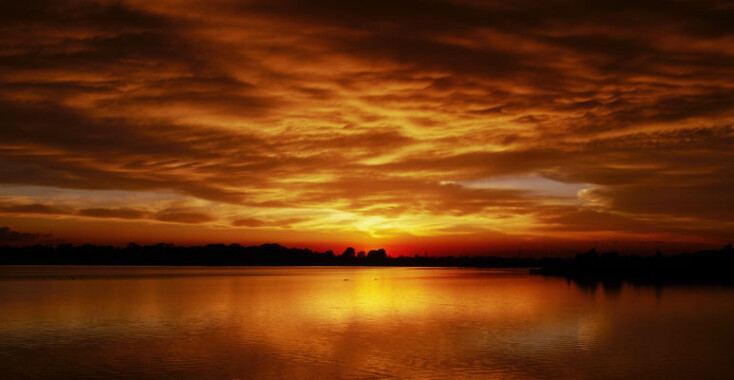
[235, 255]
[703, 267]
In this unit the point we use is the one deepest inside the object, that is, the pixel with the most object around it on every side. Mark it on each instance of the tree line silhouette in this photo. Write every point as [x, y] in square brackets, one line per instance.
[711, 266]
[231, 255]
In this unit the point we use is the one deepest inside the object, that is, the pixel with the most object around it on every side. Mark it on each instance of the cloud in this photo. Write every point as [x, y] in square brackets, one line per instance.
[705, 202]
[249, 222]
[188, 217]
[9, 236]
[121, 213]
[170, 214]
[253, 222]
[31, 208]
[373, 113]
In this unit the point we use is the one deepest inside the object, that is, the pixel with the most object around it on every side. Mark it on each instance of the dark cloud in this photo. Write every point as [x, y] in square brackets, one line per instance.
[190, 217]
[121, 213]
[696, 201]
[32, 208]
[9, 236]
[581, 219]
[249, 222]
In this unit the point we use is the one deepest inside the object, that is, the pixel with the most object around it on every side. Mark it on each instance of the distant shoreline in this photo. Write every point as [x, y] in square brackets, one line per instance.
[709, 267]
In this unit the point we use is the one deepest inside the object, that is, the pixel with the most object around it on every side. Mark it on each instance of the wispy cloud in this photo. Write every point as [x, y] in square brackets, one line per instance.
[375, 118]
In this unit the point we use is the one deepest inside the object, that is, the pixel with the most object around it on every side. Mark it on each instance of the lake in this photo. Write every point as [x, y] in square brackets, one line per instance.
[350, 322]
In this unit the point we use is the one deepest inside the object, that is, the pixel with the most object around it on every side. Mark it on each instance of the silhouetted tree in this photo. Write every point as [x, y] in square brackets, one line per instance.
[348, 253]
[378, 254]
[361, 255]
[588, 257]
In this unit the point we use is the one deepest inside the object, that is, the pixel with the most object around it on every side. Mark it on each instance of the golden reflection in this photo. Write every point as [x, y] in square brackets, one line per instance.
[349, 322]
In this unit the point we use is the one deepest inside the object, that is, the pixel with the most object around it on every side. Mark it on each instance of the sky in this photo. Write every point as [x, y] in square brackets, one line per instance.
[438, 127]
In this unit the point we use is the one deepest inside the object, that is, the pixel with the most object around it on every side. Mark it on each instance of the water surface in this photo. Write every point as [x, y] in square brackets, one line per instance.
[301, 323]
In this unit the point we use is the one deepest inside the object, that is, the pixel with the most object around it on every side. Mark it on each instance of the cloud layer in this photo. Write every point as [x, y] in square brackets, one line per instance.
[382, 121]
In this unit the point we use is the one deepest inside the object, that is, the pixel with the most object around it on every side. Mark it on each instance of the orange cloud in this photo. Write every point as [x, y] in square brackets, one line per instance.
[440, 124]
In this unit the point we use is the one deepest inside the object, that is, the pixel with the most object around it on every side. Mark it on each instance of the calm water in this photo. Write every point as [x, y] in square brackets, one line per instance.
[291, 323]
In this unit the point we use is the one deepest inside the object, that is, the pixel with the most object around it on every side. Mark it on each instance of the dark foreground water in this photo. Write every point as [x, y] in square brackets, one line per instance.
[324, 323]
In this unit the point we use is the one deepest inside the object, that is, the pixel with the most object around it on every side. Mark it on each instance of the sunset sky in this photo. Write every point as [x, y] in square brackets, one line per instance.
[419, 126]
